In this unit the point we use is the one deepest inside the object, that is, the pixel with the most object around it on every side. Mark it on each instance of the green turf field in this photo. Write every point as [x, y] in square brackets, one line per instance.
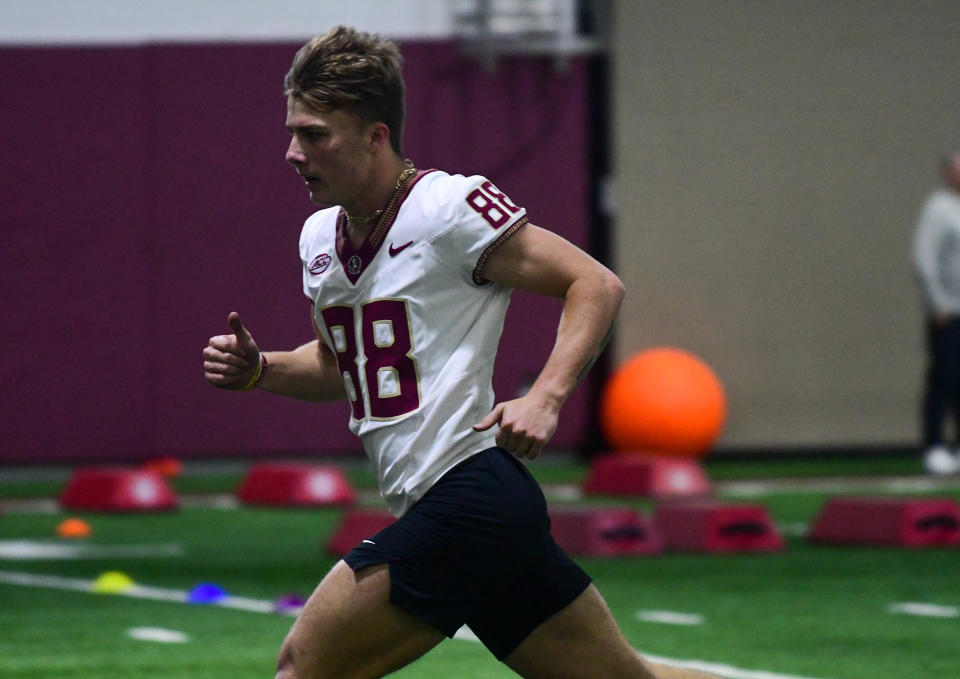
[809, 611]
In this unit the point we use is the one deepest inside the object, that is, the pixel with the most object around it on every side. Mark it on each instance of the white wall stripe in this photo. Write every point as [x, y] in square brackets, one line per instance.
[24, 22]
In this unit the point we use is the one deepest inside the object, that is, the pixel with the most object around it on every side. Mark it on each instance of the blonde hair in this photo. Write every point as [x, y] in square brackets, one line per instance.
[348, 69]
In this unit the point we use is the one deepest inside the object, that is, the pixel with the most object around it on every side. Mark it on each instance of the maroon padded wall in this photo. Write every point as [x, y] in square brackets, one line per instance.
[145, 196]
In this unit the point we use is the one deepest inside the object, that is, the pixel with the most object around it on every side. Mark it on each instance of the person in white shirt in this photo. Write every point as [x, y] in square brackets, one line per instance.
[409, 274]
[936, 257]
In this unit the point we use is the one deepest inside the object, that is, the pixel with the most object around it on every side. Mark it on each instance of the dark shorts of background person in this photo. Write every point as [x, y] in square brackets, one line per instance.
[477, 550]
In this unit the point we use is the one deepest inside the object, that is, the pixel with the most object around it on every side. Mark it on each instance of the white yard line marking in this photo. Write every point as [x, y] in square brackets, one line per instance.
[52, 506]
[845, 484]
[262, 606]
[721, 669]
[135, 591]
[49, 581]
[796, 529]
[572, 491]
[158, 634]
[209, 501]
[31, 506]
[924, 610]
[564, 492]
[466, 634]
[28, 550]
[669, 617]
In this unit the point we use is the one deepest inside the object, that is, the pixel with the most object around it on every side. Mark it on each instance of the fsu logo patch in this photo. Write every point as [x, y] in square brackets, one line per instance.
[319, 264]
[354, 264]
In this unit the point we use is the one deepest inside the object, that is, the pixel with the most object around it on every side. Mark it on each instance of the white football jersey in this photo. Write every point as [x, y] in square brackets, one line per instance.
[414, 327]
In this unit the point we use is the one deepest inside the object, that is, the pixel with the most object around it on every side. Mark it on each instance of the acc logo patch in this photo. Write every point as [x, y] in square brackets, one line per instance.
[319, 264]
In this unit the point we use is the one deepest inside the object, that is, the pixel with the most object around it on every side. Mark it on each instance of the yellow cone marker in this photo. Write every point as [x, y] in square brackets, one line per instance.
[112, 582]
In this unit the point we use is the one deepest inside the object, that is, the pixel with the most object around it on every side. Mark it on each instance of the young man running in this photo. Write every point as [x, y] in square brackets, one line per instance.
[409, 274]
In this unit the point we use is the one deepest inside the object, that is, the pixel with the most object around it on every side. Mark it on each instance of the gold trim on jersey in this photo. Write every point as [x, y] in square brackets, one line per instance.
[478, 269]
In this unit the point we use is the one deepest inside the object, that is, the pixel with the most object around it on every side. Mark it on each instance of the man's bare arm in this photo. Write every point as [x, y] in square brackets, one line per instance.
[538, 261]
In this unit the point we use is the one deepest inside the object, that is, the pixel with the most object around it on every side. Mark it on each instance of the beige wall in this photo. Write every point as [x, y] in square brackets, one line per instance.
[771, 158]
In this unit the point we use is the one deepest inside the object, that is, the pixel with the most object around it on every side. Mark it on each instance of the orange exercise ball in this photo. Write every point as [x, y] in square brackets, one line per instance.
[663, 401]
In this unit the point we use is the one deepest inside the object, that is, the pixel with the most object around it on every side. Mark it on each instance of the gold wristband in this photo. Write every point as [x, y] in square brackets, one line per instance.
[261, 367]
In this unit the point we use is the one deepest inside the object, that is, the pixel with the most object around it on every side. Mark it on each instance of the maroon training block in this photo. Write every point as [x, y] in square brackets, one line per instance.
[639, 474]
[356, 526]
[711, 526]
[907, 522]
[300, 485]
[118, 490]
[603, 532]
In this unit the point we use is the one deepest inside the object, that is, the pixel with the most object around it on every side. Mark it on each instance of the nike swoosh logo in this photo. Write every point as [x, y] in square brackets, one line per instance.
[394, 251]
[370, 542]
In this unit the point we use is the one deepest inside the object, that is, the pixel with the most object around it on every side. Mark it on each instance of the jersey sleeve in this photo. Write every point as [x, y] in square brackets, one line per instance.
[481, 218]
[315, 251]
[304, 259]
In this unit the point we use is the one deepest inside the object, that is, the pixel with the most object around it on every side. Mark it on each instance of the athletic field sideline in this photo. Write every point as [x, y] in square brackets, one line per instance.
[809, 611]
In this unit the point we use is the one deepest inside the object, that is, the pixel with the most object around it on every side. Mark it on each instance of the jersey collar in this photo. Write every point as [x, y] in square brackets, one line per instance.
[356, 260]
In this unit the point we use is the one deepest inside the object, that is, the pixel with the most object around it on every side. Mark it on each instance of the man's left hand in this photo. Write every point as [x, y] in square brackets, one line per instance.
[526, 425]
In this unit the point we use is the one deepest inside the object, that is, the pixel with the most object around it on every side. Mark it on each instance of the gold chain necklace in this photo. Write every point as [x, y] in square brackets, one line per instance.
[402, 178]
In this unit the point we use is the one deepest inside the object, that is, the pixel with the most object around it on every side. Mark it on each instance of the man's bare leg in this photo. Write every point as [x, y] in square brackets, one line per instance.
[583, 641]
[350, 630]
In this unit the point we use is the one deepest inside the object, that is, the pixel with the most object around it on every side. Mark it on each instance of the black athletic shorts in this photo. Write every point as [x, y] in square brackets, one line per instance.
[477, 550]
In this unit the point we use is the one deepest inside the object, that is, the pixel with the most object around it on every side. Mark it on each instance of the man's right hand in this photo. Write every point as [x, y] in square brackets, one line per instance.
[230, 361]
